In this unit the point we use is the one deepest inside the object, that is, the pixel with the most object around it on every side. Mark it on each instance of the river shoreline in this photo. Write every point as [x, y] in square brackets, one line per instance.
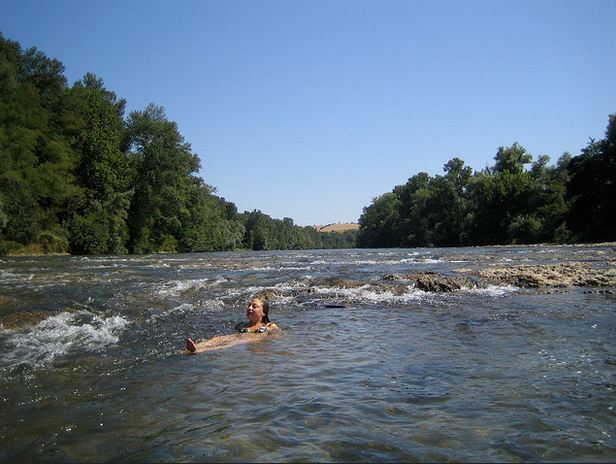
[27, 253]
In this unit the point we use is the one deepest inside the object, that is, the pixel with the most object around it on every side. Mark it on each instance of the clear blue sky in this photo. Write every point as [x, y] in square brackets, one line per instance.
[310, 108]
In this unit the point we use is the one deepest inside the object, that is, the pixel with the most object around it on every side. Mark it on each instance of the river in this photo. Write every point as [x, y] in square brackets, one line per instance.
[360, 373]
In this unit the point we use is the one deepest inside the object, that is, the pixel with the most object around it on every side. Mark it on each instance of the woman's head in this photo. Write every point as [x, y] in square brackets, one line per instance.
[258, 310]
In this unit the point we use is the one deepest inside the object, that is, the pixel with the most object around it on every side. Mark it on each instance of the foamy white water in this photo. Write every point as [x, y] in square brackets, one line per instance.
[57, 336]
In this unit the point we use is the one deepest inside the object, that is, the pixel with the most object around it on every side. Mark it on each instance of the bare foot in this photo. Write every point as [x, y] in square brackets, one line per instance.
[190, 345]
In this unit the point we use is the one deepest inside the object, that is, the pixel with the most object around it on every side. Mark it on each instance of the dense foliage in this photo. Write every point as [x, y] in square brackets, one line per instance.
[506, 203]
[78, 176]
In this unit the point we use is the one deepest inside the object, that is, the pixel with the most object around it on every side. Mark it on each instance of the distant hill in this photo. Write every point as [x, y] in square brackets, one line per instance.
[340, 227]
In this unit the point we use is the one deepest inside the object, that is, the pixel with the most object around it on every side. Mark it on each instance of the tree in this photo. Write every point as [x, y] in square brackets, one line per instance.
[500, 201]
[548, 199]
[45, 74]
[404, 217]
[511, 159]
[449, 207]
[164, 182]
[380, 223]
[592, 189]
[104, 170]
[37, 159]
[104, 167]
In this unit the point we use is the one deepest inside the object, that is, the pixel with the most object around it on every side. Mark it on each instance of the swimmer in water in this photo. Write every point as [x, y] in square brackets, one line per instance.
[258, 323]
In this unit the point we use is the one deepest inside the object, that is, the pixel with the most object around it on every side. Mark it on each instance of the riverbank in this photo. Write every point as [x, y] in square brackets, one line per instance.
[35, 250]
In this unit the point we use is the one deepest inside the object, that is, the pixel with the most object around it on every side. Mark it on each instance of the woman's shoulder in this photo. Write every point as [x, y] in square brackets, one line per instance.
[272, 326]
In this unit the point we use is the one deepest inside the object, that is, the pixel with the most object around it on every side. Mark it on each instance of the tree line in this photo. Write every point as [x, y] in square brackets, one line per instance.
[514, 201]
[78, 176]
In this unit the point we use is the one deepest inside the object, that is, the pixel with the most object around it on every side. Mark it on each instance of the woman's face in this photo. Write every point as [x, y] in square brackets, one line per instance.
[255, 311]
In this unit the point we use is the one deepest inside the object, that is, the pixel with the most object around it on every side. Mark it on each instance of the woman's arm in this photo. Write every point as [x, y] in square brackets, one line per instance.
[221, 342]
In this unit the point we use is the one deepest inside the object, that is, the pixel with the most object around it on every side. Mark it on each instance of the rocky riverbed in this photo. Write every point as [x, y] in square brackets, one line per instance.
[591, 267]
[573, 274]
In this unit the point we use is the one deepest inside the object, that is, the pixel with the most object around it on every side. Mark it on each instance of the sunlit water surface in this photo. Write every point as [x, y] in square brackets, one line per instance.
[499, 374]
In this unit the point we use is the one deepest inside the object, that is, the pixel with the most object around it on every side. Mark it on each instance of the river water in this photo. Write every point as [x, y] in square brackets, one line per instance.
[362, 373]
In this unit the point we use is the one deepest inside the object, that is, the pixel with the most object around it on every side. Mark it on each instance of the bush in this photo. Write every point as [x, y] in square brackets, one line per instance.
[169, 244]
[8, 247]
[53, 242]
[88, 234]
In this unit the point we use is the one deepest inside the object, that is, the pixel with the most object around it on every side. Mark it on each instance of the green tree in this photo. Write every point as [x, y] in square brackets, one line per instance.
[592, 189]
[105, 171]
[500, 201]
[164, 184]
[104, 166]
[380, 222]
[449, 206]
[549, 203]
[511, 159]
[258, 234]
[414, 199]
[38, 162]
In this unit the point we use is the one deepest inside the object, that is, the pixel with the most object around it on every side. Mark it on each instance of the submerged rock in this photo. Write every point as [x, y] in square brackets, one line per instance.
[20, 320]
[335, 282]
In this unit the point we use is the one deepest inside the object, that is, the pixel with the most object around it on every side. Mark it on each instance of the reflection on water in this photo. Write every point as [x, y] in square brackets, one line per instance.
[497, 374]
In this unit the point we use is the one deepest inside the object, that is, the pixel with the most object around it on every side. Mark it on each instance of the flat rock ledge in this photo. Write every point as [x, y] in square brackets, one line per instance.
[540, 276]
[435, 282]
[551, 275]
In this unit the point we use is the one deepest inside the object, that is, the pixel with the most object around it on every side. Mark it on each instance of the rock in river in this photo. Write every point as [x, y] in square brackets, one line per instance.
[571, 274]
